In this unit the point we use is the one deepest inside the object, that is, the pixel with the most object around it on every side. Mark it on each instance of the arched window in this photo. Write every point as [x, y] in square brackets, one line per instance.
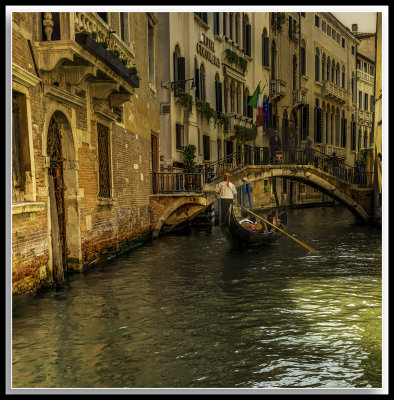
[232, 96]
[265, 49]
[225, 23]
[303, 57]
[328, 68]
[273, 60]
[237, 28]
[295, 72]
[179, 69]
[337, 77]
[333, 70]
[218, 95]
[202, 82]
[323, 67]
[343, 77]
[245, 103]
[317, 65]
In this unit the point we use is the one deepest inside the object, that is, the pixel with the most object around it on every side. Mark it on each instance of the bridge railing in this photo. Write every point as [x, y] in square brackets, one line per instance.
[286, 156]
[176, 182]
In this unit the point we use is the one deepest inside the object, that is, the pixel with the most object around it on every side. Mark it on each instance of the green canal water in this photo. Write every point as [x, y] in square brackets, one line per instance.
[187, 311]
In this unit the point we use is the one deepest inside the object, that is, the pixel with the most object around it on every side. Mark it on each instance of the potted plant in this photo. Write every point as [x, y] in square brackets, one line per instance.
[189, 155]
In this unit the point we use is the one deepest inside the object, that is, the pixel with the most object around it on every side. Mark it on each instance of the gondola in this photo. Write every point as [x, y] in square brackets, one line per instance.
[239, 235]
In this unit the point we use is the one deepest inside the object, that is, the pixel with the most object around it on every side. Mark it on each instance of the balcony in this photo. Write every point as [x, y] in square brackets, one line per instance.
[277, 88]
[92, 52]
[299, 97]
[365, 117]
[334, 92]
[363, 76]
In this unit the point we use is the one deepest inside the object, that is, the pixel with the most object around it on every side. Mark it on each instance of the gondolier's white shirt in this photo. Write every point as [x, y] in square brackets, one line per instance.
[224, 191]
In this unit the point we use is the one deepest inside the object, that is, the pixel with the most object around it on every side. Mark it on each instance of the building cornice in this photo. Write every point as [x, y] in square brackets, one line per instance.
[24, 77]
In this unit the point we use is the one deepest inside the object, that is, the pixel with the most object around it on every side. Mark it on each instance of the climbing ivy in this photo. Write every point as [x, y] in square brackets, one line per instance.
[244, 134]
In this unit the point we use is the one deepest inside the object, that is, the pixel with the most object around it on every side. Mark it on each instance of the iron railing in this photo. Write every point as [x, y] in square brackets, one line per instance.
[176, 182]
[286, 156]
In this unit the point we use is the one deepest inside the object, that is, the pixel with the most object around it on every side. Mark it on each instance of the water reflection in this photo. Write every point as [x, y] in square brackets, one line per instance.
[189, 311]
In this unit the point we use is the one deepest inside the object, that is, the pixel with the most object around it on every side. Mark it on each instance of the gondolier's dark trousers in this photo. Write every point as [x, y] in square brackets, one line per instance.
[224, 209]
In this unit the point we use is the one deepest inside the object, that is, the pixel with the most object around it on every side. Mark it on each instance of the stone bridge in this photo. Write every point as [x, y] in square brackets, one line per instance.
[170, 210]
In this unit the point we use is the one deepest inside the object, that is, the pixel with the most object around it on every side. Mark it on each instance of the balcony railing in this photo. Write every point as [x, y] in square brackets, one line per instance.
[90, 23]
[176, 182]
[365, 116]
[287, 156]
[299, 96]
[334, 92]
[277, 88]
[365, 77]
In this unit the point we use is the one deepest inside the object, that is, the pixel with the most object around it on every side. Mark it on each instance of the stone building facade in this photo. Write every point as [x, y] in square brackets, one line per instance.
[222, 55]
[82, 129]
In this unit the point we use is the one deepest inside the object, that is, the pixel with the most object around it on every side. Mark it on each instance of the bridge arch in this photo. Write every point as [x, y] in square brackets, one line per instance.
[173, 211]
[358, 202]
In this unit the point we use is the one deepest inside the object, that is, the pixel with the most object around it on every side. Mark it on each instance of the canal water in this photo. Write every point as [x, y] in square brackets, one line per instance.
[187, 311]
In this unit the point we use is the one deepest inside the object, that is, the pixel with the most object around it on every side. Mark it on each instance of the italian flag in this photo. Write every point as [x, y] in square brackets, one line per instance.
[259, 112]
[256, 102]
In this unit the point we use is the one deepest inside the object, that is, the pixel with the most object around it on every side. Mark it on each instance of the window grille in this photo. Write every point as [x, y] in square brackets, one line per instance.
[104, 161]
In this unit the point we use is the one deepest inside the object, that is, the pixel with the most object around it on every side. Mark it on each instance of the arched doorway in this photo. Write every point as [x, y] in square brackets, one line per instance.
[55, 154]
[63, 168]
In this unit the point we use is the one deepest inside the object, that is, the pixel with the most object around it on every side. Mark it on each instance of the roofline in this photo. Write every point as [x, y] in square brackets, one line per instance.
[345, 28]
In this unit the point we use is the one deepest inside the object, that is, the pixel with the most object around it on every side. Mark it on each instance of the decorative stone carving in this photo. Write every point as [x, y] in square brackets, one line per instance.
[48, 24]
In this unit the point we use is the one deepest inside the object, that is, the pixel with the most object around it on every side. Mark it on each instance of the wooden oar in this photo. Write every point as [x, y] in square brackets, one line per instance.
[280, 230]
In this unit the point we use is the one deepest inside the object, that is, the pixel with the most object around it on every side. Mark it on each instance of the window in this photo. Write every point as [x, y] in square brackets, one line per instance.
[360, 99]
[305, 121]
[202, 83]
[179, 71]
[151, 54]
[328, 30]
[366, 101]
[104, 161]
[334, 34]
[180, 139]
[371, 70]
[317, 65]
[21, 170]
[203, 16]
[353, 50]
[317, 21]
[303, 14]
[338, 38]
[122, 17]
[265, 48]
[218, 96]
[248, 40]
[323, 26]
[343, 77]
[303, 57]
[224, 23]
[206, 147]
[343, 42]
[371, 103]
[216, 23]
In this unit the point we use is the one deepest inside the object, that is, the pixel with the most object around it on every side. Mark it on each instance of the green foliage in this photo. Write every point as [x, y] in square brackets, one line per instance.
[232, 57]
[187, 102]
[189, 155]
[236, 60]
[244, 134]
[133, 71]
[267, 189]
[207, 111]
[362, 160]
[243, 63]
[104, 44]
[115, 53]
[278, 19]
[225, 119]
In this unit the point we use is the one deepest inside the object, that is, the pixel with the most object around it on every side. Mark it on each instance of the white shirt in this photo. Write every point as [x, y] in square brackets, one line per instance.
[226, 192]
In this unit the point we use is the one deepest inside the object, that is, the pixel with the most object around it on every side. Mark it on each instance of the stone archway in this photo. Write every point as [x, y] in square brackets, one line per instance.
[60, 144]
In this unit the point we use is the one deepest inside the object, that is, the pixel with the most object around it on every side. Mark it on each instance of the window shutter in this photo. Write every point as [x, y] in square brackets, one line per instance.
[181, 72]
[176, 91]
[317, 65]
[303, 69]
[267, 51]
[344, 132]
[220, 98]
[197, 82]
[319, 124]
[248, 39]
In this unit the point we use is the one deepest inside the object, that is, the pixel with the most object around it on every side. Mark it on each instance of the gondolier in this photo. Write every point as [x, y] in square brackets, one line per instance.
[226, 192]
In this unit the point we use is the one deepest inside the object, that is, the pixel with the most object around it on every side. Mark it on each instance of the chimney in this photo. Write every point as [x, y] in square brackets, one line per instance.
[354, 28]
